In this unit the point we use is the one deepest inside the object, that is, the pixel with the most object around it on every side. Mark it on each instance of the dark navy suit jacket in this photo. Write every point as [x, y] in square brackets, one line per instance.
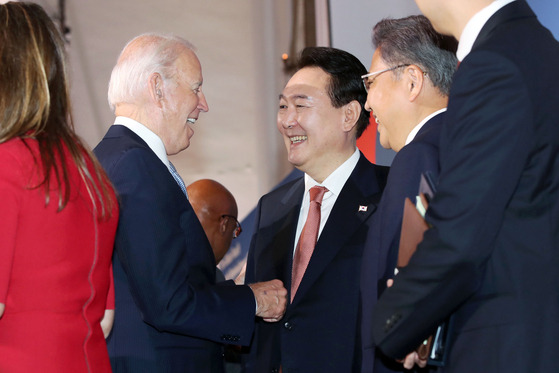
[492, 255]
[169, 314]
[381, 250]
[319, 332]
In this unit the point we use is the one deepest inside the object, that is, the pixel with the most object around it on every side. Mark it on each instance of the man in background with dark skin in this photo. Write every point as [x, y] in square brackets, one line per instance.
[216, 209]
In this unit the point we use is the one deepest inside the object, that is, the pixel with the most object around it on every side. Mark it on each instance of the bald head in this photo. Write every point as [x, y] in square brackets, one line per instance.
[211, 201]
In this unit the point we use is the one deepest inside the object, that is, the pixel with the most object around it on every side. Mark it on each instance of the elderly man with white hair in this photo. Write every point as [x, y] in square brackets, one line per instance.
[170, 316]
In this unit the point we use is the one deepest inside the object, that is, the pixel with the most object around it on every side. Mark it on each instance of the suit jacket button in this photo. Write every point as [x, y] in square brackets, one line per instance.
[275, 370]
[391, 322]
[288, 326]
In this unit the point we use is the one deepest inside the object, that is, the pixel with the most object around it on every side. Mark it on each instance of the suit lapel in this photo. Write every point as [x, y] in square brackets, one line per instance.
[278, 256]
[516, 9]
[357, 201]
[292, 202]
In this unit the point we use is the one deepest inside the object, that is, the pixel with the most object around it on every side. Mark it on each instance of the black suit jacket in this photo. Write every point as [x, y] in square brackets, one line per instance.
[319, 332]
[493, 253]
[169, 314]
[381, 250]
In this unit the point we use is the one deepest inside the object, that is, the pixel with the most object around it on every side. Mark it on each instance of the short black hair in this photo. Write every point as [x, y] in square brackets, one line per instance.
[345, 72]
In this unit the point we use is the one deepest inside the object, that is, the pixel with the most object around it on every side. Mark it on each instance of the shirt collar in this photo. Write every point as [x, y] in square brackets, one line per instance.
[474, 26]
[154, 142]
[337, 179]
[416, 129]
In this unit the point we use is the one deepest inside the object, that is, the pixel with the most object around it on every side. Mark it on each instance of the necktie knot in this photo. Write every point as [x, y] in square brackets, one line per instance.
[317, 193]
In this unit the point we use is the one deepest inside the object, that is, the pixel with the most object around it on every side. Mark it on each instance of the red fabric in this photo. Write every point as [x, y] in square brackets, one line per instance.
[54, 272]
[367, 143]
[307, 240]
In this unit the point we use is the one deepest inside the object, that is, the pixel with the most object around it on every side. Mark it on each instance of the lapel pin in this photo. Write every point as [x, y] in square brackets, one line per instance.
[362, 208]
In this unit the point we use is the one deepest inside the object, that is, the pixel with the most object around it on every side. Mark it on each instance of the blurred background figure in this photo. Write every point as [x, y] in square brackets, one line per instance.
[59, 212]
[216, 209]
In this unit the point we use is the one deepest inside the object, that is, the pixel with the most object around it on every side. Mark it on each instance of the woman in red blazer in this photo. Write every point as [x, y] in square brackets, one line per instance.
[59, 212]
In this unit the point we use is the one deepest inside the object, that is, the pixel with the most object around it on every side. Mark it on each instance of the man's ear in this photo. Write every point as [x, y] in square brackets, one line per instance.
[415, 79]
[223, 224]
[352, 111]
[156, 90]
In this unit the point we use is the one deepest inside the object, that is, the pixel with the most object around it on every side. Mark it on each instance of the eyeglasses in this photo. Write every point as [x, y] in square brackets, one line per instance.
[367, 82]
[238, 228]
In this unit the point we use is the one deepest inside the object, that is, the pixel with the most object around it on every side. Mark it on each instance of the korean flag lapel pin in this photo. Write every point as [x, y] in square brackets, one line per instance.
[362, 208]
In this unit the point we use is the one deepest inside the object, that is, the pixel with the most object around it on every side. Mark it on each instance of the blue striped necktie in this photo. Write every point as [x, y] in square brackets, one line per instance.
[178, 178]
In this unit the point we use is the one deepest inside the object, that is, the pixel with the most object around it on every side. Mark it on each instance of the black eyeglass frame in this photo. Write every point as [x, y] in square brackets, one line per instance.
[238, 229]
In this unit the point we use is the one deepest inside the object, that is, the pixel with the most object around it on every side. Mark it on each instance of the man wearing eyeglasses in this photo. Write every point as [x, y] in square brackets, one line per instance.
[491, 258]
[407, 92]
[216, 209]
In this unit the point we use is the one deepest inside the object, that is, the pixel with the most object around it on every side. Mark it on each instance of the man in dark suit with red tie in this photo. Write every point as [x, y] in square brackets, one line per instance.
[310, 232]
[170, 316]
[408, 84]
[492, 254]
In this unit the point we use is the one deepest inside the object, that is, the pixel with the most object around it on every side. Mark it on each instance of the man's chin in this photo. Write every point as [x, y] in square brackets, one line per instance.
[295, 161]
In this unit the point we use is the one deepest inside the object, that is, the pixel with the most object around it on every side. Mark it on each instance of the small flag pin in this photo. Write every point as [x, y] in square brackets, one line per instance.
[362, 208]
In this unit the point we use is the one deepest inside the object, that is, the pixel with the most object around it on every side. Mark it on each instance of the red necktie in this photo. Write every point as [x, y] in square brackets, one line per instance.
[308, 238]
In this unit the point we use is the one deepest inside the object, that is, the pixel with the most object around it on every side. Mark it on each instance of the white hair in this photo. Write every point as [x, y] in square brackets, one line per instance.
[142, 56]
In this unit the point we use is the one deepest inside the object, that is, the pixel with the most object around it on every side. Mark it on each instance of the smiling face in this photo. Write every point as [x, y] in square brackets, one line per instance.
[182, 104]
[312, 128]
[386, 99]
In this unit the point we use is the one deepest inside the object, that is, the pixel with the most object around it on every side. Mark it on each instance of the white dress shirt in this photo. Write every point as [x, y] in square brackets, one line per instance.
[416, 129]
[154, 142]
[334, 183]
[474, 26]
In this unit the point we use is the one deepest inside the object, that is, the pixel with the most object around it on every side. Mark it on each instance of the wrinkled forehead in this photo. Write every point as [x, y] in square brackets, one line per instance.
[188, 66]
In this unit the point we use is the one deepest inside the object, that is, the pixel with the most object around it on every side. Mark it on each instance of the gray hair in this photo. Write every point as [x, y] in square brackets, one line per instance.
[142, 56]
[413, 40]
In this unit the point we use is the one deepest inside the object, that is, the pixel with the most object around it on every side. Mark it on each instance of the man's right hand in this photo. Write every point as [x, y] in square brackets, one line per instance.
[271, 299]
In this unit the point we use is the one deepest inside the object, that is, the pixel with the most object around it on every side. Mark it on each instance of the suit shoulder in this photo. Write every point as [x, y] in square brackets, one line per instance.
[417, 148]
[414, 159]
[116, 154]
[364, 165]
[381, 176]
[283, 189]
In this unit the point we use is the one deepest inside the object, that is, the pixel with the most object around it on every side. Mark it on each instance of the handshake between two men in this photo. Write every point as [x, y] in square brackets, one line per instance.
[271, 299]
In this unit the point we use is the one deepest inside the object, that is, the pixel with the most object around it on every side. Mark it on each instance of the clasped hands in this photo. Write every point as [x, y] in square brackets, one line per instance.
[271, 299]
